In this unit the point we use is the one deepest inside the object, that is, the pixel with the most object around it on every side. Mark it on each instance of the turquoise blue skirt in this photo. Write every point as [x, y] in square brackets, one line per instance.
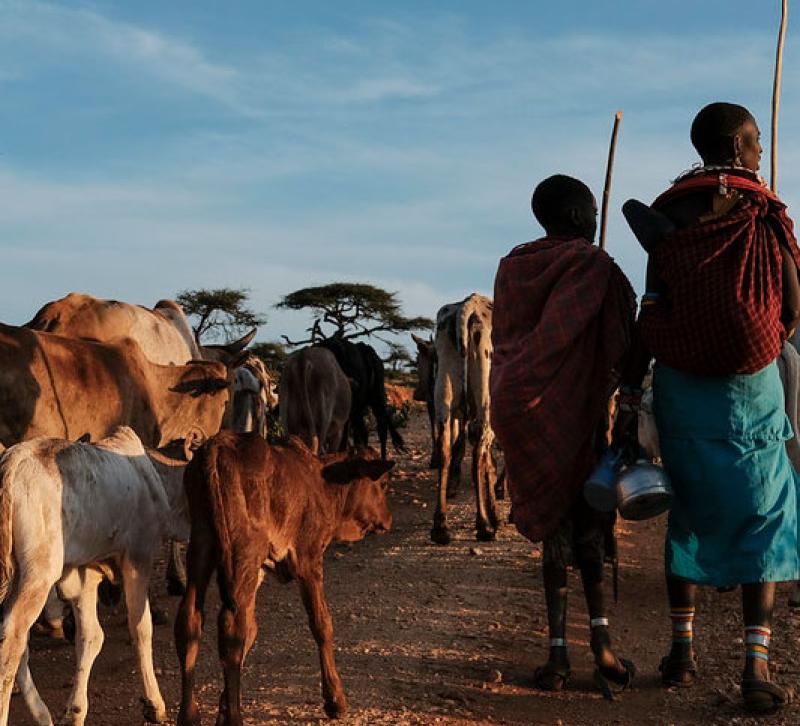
[735, 514]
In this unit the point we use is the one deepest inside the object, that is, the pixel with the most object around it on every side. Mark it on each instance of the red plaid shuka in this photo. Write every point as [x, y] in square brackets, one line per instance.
[561, 324]
[720, 313]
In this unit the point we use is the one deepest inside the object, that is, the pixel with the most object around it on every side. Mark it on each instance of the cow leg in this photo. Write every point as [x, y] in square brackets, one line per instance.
[434, 463]
[252, 621]
[20, 611]
[236, 634]
[201, 562]
[32, 698]
[439, 533]
[140, 625]
[176, 570]
[360, 433]
[490, 477]
[483, 524]
[458, 449]
[319, 620]
[80, 588]
[382, 425]
[51, 620]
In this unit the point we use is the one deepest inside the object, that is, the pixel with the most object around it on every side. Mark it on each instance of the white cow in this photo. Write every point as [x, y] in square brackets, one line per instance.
[463, 345]
[71, 513]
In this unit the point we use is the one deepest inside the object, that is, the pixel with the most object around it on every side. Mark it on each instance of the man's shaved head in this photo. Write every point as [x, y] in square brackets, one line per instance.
[564, 205]
[714, 129]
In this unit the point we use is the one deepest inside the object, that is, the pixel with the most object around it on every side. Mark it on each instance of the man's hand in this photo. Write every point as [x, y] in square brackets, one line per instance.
[626, 427]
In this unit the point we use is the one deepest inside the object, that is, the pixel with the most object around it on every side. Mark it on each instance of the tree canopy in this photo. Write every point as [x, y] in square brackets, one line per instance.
[219, 313]
[350, 310]
[398, 357]
[273, 353]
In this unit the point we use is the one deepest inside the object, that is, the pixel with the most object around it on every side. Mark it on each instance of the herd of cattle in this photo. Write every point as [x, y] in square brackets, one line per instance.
[118, 431]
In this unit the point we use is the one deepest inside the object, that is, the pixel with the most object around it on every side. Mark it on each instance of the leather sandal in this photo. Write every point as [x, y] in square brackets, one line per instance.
[765, 696]
[678, 672]
[604, 678]
[551, 677]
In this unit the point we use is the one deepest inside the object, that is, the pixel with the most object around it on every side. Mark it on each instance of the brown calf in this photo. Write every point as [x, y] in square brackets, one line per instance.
[254, 506]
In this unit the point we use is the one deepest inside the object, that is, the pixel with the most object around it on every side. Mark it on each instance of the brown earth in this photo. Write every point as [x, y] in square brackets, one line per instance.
[442, 635]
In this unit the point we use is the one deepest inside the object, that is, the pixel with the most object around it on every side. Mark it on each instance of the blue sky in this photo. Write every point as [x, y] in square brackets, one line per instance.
[150, 147]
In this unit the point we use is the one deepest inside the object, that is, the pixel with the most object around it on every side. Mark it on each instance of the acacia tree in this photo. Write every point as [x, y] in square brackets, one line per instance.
[398, 357]
[219, 313]
[350, 310]
[273, 353]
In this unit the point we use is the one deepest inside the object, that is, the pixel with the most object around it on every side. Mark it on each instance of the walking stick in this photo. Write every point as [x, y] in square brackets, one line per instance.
[607, 188]
[776, 98]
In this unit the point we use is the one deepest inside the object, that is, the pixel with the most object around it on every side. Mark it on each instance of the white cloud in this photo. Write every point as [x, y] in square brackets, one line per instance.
[82, 32]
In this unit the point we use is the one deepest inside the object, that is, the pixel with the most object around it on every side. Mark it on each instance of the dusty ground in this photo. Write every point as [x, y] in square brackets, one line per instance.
[427, 634]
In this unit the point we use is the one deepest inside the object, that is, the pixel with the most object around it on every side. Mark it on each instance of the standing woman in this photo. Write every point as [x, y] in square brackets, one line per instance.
[723, 295]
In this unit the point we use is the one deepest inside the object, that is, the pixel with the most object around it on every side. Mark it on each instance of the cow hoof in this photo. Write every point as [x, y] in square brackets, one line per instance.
[175, 588]
[441, 535]
[45, 629]
[72, 717]
[486, 535]
[189, 716]
[153, 713]
[336, 708]
[160, 615]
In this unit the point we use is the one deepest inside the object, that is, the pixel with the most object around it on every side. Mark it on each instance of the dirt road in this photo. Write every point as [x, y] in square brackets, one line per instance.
[442, 635]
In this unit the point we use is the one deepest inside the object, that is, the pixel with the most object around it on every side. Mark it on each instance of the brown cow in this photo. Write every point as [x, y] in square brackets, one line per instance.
[65, 387]
[315, 399]
[254, 506]
[163, 332]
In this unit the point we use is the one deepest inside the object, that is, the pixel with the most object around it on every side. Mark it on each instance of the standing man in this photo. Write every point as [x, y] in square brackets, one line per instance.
[722, 296]
[562, 322]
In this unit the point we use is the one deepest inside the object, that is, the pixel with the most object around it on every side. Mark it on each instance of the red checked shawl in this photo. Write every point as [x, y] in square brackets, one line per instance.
[562, 319]
[721, 311]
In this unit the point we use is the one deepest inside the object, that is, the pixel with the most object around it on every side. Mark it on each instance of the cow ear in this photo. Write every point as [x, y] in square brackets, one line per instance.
[344, 472]
[375, 468]
[421, 343]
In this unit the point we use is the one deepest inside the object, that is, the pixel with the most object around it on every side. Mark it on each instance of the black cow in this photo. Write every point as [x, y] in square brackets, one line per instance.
[362, 365]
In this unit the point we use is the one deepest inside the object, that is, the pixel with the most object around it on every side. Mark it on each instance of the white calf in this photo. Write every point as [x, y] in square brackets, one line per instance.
[69, 513]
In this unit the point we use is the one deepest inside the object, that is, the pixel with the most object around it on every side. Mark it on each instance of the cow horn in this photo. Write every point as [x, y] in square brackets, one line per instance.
[236, 346]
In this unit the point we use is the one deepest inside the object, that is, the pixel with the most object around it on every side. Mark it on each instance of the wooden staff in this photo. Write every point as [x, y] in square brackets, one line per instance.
[607, 188]
[776, 98]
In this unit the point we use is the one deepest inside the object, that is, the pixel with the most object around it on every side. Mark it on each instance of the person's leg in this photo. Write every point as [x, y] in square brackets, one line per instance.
[759, 693]
[758, 601]
[556, 672]
[591, 530]
[678, 668]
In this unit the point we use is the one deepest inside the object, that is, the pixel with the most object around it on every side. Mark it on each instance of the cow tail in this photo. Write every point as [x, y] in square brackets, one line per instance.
[314, 442]
[8, 466]
[465, 311]
[220, 521]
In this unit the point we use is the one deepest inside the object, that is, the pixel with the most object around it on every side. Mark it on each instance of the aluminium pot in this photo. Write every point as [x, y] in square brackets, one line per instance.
[643, 491]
